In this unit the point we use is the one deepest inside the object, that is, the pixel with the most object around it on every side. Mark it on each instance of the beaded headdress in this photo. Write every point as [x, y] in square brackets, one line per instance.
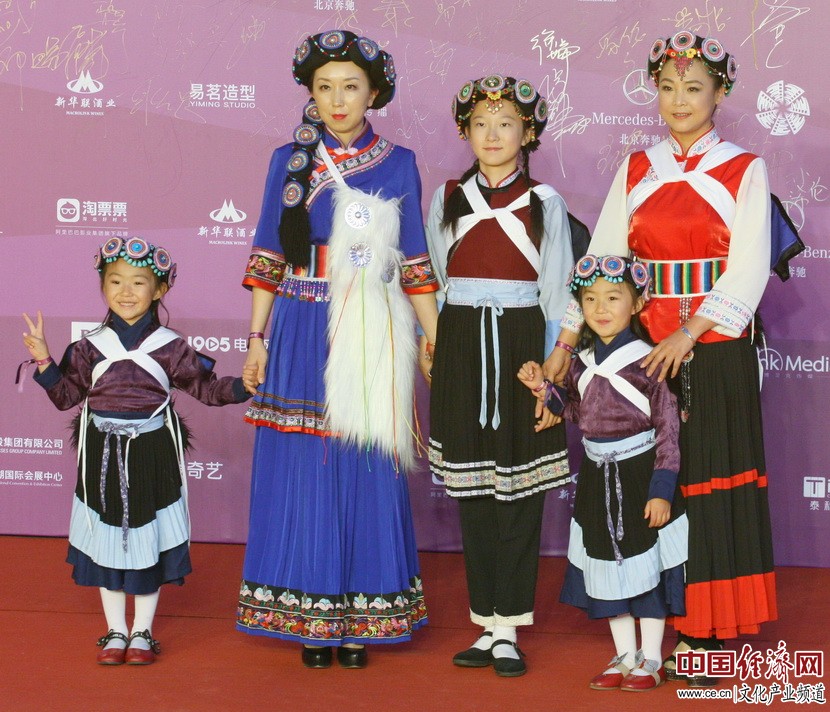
[312, 53]
[494, 89]
[684, 47]
[612, 268]
[344, 46]
[138, 253]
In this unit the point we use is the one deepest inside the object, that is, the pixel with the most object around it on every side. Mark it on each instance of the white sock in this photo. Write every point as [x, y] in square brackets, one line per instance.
[651, 633]
[624, 633]
[505, 632]
[145, 612]
[485, 642]
[115, 611]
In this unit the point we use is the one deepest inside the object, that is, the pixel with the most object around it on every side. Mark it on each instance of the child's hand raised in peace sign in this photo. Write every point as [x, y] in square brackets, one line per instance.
[35, 340]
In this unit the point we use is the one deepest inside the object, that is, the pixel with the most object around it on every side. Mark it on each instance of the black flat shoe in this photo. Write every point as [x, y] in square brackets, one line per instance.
[509, 667]
[474, 657]
[317, 658]
[352, 658]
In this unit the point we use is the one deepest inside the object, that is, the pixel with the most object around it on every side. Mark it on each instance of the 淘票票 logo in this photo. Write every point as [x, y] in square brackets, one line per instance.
[84, 84]
[782, 108]
[228, 213]
[68, 210]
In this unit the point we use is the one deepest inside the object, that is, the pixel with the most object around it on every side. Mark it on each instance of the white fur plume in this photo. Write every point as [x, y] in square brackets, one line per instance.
[370, 370]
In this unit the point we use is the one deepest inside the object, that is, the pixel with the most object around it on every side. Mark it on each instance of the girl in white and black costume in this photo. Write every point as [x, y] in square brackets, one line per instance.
[129, 530]
[500, 245]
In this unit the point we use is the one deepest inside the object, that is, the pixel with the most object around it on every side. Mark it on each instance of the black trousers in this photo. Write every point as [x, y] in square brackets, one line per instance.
[501, 556]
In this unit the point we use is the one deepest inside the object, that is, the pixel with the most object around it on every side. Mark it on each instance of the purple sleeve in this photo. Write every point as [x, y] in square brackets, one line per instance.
[68, 384]
[556, 398]
[193, 373]
[664, 416]
[572, 399]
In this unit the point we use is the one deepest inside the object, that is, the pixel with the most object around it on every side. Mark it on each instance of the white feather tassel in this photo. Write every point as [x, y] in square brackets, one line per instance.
[370, 370]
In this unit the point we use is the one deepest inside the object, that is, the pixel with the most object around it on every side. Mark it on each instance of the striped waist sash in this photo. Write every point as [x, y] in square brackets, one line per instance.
[679, 278]
[309, 283]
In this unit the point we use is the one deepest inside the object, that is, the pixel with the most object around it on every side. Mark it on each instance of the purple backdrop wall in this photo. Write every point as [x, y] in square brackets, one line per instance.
[158, 118]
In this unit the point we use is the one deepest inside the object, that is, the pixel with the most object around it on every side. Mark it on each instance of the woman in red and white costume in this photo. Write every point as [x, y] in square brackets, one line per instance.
[696, 210]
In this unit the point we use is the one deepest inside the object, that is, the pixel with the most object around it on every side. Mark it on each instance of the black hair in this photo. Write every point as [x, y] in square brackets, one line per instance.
[456, 204]
[295, 228]
[155, 305]
[587, 336]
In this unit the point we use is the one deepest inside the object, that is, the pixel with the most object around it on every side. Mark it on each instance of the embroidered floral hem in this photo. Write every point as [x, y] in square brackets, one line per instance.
[331, 619]
[288, 416]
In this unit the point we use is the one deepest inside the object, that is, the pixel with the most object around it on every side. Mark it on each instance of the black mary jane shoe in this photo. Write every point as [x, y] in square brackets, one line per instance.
[352, 658]
[317, 658]
[474, 657]
[509, 667]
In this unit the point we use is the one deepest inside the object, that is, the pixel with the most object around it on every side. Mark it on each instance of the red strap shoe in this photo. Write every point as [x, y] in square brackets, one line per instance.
[139, 656]
[111, 656]
[656, 676]
[611, 680]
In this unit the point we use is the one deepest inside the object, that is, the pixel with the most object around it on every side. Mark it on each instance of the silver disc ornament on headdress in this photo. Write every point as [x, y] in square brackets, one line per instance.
[612, 268]
[684, 47]
[494, 89]
[312, 53]
[136, 251]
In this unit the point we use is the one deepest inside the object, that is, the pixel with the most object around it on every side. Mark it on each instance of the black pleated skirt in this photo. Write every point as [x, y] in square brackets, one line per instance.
[157, 537]
[507, 462]
[730, 579]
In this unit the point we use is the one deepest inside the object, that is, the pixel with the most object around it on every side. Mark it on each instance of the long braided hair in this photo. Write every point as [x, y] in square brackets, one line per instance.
[533, 110]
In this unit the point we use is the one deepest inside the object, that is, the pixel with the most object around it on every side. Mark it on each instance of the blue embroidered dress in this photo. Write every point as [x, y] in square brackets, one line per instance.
[331, 555]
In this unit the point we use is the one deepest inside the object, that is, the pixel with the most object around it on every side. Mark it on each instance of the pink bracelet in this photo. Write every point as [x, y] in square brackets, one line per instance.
[44, 361]
[256, 335]
[562, 345]
[545, 383]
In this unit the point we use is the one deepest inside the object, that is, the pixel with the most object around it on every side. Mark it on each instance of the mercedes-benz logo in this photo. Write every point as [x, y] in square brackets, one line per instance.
[638, 88]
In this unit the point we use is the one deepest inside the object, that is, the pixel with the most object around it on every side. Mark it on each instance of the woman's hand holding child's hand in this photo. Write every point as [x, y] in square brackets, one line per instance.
[253, 372]
[657, 511]
[531, 375]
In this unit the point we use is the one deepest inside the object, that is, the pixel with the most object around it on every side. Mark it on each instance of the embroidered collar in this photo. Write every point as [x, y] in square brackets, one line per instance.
[503, 183]
[699, 147]
[603, 351]
[358, 143]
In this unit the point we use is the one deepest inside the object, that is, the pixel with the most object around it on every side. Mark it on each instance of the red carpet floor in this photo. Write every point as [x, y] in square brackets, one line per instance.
[48, 628]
